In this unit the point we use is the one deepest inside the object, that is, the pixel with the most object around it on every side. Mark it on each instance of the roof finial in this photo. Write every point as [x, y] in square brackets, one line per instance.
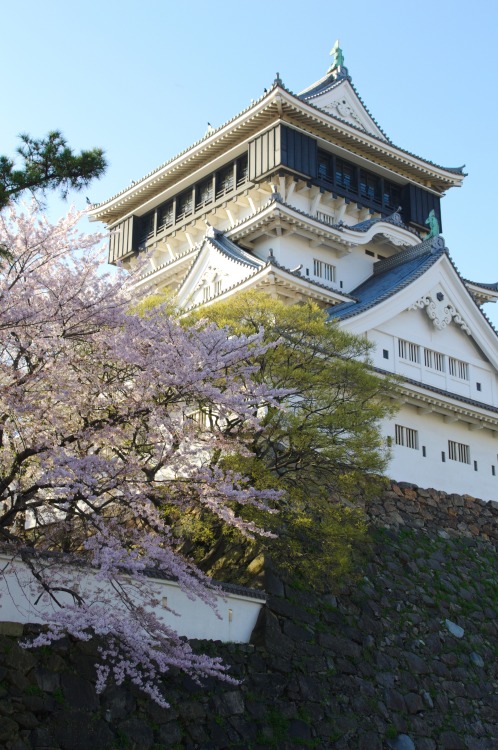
[278, 80]
[337, 65]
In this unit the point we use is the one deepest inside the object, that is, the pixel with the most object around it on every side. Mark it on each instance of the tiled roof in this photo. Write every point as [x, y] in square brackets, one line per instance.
[453, 170]
[394, 218]
[298, 275]
[301, 97]
[390, 276]
[226, 246]
[491, 287]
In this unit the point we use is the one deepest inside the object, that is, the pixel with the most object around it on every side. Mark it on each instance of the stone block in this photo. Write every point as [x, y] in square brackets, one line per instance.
[15, 629]
[169, 734]
[9, 730]
[394, 700]
[74, 731]
[78, 692]
[137, 734]
[230, 703]
[414, 703]
[451, 741]
[117, 703]
[416, 664]
[47, 680]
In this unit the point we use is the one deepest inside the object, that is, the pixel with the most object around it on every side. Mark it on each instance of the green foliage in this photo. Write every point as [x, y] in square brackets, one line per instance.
[59, 696]
[152, 302]
[47, 164]
[327, 435]
[323, 444]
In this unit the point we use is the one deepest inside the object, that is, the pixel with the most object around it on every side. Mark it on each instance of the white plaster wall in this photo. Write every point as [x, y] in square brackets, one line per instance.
[415, 326]
[409, 465]
[352, 269]
[238, 613]
[217, 267]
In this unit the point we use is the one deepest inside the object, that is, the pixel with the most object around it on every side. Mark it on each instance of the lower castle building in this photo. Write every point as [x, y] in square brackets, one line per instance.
[306, 198]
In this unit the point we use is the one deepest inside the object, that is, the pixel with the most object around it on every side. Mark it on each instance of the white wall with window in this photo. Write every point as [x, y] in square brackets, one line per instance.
[351, 269]
[432, 452]
[410, 345]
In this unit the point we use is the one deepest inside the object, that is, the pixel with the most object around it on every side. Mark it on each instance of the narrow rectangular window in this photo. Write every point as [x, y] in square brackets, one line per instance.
[475, 465]
[203, 193]
[458, 369]
[405, 436]
[201, 417]
[370, 186]
[217, 287]
[225, 180]
[424, 451]
[184, 205]
[328, 272]
[242, 169]
[346, 175]
[206, 293]
[458, 452]
[434, 360]
[493, 470]
[385, 354]
[165, 216]
[409, 351]
[323, 270]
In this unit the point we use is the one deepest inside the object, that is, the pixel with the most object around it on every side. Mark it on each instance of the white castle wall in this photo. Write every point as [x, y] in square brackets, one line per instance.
[415, 326]
[410, 465]
[351, 268]
[195, 619]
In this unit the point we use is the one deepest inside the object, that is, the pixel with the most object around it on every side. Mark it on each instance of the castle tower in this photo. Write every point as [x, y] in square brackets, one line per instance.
[305, 197]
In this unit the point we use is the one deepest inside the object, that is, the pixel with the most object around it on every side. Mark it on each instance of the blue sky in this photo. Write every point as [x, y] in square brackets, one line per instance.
[142, 79]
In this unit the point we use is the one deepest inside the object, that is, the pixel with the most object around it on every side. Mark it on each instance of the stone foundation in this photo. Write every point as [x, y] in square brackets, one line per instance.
[404, 658]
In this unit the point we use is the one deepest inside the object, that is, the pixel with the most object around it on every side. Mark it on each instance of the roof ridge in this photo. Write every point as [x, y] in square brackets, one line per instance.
[431, 245]
[394, 219]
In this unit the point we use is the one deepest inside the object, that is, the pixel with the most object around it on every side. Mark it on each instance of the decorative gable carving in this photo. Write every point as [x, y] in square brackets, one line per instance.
[343, 102]
[440, 310]
[341, 108]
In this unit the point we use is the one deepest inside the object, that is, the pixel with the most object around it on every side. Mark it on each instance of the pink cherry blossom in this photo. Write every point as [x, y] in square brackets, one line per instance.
[97, 436]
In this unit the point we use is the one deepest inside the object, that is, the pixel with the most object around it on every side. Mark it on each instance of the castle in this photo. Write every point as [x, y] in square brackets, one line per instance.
[306, 198]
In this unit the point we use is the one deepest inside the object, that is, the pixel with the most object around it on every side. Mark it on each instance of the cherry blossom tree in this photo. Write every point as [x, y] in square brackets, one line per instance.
[99, 431]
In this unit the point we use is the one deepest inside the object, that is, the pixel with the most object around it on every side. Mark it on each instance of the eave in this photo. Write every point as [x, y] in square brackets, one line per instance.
[277, 215]
[277, 105]
[454, 407]
[284, 281]
[482, 292]
[354, 140]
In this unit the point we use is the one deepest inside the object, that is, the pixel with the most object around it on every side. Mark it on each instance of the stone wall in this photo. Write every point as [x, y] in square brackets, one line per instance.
[405, 658]
[408, 505]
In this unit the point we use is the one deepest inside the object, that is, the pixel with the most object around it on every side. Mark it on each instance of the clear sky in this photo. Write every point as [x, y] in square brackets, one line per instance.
[142, 79]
